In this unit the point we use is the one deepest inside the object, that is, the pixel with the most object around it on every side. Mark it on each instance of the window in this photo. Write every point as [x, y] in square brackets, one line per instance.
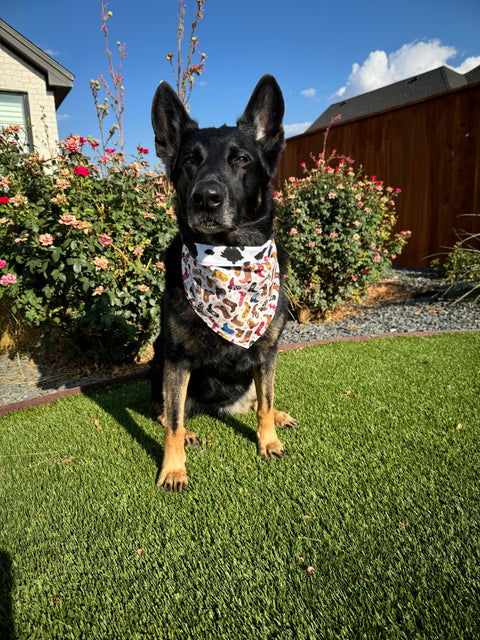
[14, 110]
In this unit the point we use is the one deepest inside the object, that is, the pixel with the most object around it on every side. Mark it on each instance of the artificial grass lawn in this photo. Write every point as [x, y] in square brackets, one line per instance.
[369, 528]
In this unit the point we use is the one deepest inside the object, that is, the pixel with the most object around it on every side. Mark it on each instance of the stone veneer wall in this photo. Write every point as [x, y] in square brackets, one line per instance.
[18, 75]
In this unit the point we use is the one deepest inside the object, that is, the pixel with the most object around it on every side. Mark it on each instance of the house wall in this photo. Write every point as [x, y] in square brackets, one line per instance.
[18, 75]
[430, 149]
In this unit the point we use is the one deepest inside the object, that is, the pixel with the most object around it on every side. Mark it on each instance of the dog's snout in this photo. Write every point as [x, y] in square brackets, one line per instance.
[208, 195]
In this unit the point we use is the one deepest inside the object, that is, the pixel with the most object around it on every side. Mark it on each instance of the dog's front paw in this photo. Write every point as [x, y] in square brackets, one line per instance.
[173, 481]
[270, 450]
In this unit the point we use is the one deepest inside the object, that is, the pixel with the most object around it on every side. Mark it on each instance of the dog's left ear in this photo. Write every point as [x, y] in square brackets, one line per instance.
[264, 114]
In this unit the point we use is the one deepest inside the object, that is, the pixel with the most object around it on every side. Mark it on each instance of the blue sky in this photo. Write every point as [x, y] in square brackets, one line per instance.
[319, 51]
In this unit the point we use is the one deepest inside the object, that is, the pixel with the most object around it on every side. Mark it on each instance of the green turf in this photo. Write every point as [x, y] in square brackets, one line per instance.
[370, 528]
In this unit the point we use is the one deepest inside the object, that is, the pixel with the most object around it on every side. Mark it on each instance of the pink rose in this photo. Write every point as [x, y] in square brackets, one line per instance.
[105, 240]
[3, 263]
[10, 278]
[67, 218]
[46, 239]
[101, 263]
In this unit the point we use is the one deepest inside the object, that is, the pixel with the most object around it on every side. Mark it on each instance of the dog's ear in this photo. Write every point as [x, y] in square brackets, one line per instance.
[264, 114]
[170, 121]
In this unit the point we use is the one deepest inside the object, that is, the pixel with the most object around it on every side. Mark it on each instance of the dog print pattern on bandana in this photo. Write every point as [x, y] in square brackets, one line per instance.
[234, 290]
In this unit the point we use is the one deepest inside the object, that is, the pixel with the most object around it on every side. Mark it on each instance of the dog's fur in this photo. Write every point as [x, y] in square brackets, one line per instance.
[223, 197]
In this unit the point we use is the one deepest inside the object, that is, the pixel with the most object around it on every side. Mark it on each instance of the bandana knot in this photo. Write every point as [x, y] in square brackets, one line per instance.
[234, 290]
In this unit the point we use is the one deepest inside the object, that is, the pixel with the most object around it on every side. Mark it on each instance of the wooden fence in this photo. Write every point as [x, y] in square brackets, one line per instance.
[429, 148]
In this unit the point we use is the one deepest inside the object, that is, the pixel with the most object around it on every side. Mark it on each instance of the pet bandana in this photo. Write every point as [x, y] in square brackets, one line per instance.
[234, 290]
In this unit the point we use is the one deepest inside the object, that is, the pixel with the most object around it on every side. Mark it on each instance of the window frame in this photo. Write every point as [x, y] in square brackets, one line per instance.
[26, 113]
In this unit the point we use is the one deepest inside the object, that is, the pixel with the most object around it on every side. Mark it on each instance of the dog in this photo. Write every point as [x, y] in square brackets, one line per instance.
[224, 305]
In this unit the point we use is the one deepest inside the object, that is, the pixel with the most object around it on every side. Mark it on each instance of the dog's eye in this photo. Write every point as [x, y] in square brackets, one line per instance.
[190, 161]
[242, 160]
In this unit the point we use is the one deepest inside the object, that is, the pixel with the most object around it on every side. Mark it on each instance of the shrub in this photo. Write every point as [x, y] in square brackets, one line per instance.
[463, 261]
[82, 242]
[337, 228]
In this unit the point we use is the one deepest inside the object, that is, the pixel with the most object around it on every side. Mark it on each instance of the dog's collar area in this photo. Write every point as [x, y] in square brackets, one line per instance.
[209, 255]
[238, 298]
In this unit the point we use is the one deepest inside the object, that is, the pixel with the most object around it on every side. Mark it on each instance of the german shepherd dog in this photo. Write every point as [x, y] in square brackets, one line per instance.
[222, 310]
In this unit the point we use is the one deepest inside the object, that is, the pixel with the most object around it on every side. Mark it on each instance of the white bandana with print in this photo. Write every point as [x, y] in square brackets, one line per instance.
[234, 290]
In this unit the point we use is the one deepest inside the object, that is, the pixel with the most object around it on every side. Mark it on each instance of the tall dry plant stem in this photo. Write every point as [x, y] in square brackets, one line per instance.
[185, 76]
[115, 98]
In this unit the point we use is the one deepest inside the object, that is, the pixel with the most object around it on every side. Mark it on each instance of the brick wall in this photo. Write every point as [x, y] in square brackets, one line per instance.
[18, 75]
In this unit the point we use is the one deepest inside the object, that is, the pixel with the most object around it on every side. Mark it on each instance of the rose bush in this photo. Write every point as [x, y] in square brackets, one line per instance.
[337, 228]
[82, 242]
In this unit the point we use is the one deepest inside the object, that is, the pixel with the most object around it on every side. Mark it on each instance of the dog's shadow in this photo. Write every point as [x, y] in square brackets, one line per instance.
[151, 441]
[125, 409]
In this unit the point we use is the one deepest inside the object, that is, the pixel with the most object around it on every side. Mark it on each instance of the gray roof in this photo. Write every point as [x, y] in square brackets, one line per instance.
[473, 75]
[58, 79]
[415, 88]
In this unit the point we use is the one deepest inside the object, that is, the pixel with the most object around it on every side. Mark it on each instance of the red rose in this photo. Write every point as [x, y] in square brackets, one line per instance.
[81, 171]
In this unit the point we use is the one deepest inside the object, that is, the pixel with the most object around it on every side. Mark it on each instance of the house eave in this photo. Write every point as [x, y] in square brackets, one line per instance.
[59, 80]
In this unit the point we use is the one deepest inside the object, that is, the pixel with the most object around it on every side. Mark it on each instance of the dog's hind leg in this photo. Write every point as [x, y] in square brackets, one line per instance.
[280, 418]
[283, 420]
[173, 475]
[269, 446]
[191, 438]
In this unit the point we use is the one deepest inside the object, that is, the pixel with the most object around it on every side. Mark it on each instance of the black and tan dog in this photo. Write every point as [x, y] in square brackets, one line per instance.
[224, 306]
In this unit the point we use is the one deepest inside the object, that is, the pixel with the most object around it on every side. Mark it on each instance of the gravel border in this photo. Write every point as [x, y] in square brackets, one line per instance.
[429, 306]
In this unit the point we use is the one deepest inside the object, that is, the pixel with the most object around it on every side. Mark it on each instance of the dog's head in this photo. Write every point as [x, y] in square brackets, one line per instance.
[222, 175]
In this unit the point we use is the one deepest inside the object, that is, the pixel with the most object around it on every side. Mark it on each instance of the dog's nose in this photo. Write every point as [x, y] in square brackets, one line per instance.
[208, 194]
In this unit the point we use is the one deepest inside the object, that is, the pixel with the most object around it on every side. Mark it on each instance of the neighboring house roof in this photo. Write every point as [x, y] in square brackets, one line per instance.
[415, 88]
[58, 79]
[473, 75]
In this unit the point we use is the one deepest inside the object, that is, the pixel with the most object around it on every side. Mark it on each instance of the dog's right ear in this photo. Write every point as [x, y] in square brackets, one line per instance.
[170, 121]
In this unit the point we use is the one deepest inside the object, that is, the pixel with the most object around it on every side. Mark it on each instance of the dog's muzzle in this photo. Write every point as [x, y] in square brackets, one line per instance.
[209, 205]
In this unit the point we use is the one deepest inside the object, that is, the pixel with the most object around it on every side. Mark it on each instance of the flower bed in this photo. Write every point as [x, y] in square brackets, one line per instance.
[82, 242]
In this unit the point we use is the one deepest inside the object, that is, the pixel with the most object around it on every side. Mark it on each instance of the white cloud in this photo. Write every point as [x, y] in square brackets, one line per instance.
[309, 93]
[381, 69]
[468, 64]
[295, 129]
[63, 116]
